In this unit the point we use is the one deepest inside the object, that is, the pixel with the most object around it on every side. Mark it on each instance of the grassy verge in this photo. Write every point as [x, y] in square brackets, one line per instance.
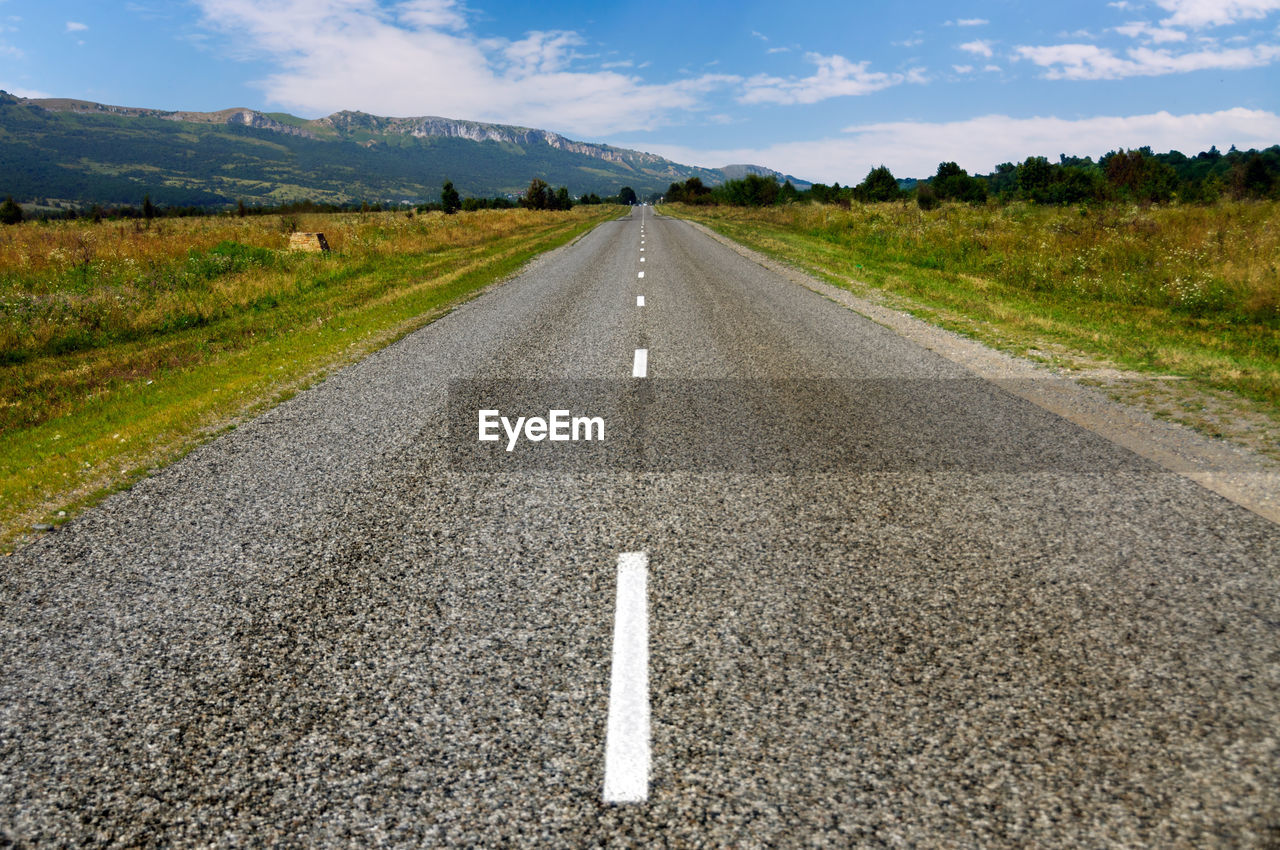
[1177, 292]
[122, 348]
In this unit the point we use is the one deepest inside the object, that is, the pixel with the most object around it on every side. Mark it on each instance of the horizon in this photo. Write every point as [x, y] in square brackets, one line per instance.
[824, 94]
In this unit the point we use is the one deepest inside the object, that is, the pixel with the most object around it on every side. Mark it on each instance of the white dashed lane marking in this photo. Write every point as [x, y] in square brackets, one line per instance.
[626, 753]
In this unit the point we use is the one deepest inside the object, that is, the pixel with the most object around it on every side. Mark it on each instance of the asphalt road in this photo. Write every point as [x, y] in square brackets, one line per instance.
[887, 604]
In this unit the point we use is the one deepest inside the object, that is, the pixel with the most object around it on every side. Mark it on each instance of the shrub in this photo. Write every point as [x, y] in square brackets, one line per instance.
[926, 197]
[10, 212]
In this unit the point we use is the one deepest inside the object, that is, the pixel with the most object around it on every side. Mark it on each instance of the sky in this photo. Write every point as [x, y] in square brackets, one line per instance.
[821, 90]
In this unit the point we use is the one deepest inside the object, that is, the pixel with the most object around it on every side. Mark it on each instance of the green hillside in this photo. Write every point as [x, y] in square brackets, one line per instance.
[76, 152]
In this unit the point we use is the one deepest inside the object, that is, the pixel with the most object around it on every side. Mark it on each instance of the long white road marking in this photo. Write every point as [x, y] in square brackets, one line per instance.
[640, 367]
[641, 274]
[626, 751]
[639, 300]
[642, 258]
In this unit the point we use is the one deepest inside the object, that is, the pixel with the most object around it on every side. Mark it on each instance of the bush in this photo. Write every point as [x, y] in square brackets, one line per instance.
[227, 257]
[926, 197]
[10, 212]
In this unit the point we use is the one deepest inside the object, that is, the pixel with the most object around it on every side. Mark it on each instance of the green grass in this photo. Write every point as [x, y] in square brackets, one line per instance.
[111, 371]
[1181, 290]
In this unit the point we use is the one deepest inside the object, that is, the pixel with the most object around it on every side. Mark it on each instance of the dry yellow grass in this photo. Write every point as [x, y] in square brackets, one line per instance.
[72, 285]
[120, 346]
[1222, 259]
[1188, 290]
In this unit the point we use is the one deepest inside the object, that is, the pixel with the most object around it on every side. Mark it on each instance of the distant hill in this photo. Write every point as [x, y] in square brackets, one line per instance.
[74, 151]
[737, 172]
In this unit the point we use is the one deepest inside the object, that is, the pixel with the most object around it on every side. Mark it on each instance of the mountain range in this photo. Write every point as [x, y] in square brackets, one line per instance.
[59, 152]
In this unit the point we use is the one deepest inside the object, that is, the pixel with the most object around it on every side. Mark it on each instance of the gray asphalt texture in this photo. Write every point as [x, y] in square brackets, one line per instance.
[975, 625]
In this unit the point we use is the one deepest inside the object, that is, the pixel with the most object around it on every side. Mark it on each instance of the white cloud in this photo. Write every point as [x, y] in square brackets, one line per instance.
[836, 77]
[910, 42]
[1146, 32]
[914, 149]
[962, 69]
[540, 53]
[1089, 62]
[977, 48]
[419, 57]
[76, 26]
[1202, 13]
[972, 22]
[432, 14]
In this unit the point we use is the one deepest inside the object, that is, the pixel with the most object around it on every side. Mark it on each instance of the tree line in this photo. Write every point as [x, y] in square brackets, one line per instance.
[1137, 176]
[538, 196]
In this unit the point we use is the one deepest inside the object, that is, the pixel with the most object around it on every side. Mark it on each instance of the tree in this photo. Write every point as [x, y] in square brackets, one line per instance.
[1034, 175]
[1139, 176]
[880, 185]
[10, 212]
[1251, 179]
[690, 191]
[450, 200]
[148, 208]
[751, 191]
[537, 196]
[926, 196]
[824, 194]
[1004, 180]
[759, 191]
[954, 183]
[627, 195]
[562, 201]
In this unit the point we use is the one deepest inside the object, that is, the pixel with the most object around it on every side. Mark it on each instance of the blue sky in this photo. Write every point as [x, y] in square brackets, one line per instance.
[822, 90]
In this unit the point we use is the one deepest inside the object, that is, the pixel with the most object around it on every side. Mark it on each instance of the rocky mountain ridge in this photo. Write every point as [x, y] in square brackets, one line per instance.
[349, 123]
[61, 152]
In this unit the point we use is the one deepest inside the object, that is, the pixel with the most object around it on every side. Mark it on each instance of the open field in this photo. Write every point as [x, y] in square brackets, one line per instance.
[122, 346]
[1179, 292]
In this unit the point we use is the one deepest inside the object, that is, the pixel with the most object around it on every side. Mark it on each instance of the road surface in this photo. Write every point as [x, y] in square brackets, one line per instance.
[816, 586]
